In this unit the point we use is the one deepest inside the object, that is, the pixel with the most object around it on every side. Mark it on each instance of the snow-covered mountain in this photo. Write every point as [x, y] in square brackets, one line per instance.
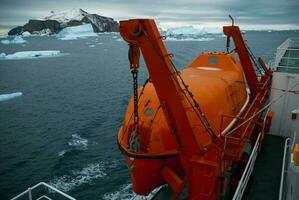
[57, 21]
[66, 16]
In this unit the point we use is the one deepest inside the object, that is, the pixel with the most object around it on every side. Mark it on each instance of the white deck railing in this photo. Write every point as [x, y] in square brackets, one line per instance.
[289, 44]
[287, 146]
[248, 170]
[28, 192]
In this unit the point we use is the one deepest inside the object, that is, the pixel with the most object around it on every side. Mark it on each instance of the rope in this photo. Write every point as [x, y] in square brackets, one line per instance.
[265, 107]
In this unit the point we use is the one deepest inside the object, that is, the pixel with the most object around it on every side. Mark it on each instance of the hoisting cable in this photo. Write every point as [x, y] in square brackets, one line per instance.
[261, 110]
[254, 60]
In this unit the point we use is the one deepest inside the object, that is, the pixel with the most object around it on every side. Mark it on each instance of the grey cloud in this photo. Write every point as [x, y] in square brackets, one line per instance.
[269, 12]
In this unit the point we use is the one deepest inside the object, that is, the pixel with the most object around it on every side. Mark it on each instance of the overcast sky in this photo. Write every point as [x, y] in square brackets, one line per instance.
[250, 14]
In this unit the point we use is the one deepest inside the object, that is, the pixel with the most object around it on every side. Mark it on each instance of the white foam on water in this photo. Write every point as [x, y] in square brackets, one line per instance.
[203, 39]
[78, 142]
[15, 40]
[5, 97]
[31, 55]
[119, 40]
[126, 193]
[61, 153]
[84, 176]
[92, 45]
[100, 43]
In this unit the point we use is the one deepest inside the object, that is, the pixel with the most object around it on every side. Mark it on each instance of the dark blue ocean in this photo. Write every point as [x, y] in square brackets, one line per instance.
[63, 129]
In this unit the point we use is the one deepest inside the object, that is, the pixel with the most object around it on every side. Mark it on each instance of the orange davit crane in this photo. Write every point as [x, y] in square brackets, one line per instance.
[187, 128]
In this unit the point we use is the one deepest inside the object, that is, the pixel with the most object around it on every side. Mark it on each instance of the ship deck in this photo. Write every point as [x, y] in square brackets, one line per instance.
[265, 180]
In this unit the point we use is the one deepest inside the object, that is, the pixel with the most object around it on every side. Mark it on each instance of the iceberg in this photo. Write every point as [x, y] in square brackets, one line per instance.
[190, 30]
[26, 34]
[15, 40]
[203, 39]
[75, 32]
[5, 97]
[31, 55]
[184, 30]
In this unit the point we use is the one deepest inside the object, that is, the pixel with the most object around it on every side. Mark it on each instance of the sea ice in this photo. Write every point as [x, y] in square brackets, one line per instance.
[5, 97]
[75, 32]
[15, 40]
[31, 55]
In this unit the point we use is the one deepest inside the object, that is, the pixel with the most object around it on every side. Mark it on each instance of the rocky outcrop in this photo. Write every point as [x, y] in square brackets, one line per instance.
[57, 21]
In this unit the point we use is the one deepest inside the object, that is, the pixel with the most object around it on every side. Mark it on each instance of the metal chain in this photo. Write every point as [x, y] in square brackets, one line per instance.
[135, 88]
[201, 115]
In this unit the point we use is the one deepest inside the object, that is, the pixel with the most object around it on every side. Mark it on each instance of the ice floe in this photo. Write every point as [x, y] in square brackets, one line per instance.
[5, 97]
[31, 55]
[75, 32]
[14, 40]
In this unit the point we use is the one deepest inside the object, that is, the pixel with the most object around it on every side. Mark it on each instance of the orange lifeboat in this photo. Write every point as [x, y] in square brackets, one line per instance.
[186, 128]
[217, 82]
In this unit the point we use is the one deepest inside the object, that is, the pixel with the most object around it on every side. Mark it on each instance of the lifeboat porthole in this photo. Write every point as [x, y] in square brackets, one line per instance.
[149, 112]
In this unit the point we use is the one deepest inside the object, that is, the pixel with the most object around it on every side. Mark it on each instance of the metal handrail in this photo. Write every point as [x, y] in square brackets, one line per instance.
[283, 171]
[248, 170]
[289, 44]
[29, 190]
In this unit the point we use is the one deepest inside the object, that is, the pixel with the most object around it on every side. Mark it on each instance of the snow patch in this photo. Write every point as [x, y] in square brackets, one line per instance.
[5, 97]
[75, 32]
[31, 55]
[15, 40]
[65, 16]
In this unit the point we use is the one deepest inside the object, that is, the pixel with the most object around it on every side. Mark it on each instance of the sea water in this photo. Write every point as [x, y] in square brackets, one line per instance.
[63, 129]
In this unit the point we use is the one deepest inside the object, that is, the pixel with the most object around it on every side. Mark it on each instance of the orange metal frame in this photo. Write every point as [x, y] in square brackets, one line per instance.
[203, 162]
